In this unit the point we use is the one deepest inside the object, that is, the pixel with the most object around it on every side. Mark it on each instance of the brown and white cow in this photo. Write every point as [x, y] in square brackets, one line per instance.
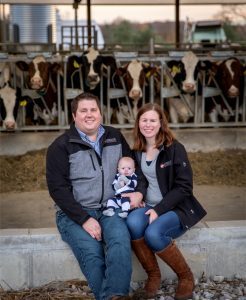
[42, 78]
[229, 74]
[8, 101]
[135, 74]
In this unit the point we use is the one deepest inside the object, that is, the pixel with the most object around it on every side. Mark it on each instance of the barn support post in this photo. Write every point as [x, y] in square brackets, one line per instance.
[89, 22]
[177, 41]
[75, 6]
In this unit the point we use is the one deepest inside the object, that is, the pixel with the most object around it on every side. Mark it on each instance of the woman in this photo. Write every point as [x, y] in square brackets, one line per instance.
[170, 207]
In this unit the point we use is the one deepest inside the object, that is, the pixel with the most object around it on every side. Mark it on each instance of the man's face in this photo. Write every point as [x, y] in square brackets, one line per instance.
[88, 117]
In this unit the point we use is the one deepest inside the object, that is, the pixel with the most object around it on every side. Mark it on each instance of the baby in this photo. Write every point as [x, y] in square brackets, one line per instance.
[125, 182]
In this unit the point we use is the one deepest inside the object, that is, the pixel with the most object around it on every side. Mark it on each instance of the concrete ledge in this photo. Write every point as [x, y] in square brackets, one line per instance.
[194, 139]
[33, 257]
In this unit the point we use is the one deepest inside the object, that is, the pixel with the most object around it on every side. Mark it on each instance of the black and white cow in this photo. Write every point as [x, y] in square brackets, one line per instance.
[91, 63]
[8, 99]
[93, 66]
[190, 80]
[136, 76]
[185, 74]
[42, 79]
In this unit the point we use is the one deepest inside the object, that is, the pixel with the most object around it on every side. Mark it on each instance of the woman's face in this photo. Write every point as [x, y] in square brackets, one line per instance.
[149, 124]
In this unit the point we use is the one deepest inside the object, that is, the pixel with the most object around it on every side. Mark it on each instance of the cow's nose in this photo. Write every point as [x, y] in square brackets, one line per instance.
[10, 125]
[135, 92]
[93, 78]
[233, 91]
[189, 86]
[36, 80]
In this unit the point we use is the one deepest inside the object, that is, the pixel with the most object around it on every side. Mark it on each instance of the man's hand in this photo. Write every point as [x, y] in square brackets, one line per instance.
[136, 199]
[93, 228]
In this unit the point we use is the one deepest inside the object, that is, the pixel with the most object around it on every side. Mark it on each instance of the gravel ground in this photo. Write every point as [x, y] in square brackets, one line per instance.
[218, 288]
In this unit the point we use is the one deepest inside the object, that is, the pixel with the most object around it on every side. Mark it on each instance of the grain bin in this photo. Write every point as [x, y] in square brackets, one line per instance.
[33, 23]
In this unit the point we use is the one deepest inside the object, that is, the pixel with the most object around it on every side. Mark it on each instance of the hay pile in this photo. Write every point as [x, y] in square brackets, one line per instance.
[27, 172]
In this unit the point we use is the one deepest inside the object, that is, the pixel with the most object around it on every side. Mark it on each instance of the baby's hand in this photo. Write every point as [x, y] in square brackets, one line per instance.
[122, 183]
[124, 179]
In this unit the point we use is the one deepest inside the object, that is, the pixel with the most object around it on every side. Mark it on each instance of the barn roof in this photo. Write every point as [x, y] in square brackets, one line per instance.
[126, 2]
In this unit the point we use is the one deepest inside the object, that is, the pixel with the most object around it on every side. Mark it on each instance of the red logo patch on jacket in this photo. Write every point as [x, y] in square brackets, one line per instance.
[165, 164]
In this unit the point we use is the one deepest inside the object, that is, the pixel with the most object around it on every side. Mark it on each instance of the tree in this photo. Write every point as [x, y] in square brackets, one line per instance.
[123, 32]
[230, 13]
[234, 17]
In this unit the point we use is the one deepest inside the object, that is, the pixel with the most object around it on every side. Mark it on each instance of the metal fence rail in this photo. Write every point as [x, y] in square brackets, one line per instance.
[65, 94]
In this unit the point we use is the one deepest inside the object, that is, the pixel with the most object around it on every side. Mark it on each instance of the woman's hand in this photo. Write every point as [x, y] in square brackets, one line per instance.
[152, 215]
[136, 199]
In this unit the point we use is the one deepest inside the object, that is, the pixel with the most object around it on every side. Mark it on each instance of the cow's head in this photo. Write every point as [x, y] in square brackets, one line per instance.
[39, 71]
[8, 105]
[4, 74]
[91, 63]
[185, 71]
[229, 75]
[135, 74]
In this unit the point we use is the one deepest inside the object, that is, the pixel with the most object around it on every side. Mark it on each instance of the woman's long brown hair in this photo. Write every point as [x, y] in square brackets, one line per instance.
[164, 136]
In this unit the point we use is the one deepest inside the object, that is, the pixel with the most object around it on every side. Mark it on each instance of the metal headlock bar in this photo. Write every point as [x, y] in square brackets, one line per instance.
[65, 93]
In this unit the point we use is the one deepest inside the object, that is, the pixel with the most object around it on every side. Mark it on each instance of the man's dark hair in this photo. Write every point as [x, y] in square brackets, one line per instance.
[81, 97]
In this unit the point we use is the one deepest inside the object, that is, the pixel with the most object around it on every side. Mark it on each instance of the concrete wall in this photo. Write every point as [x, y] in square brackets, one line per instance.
[33, 257]
[202, 139]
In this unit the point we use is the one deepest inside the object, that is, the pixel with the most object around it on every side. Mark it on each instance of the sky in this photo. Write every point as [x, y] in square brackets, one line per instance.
[141, 13]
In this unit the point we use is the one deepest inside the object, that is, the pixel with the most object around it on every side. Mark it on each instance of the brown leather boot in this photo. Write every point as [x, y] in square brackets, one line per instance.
[174, 258]
[149, 262]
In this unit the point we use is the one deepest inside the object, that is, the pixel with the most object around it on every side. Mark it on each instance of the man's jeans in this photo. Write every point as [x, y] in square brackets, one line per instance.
[159, 234]
[106, 265]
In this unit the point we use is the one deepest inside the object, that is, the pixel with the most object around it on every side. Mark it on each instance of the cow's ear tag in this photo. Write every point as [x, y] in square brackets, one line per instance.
[23, 103]
[148, 74]
[175, 70]
[75, 64]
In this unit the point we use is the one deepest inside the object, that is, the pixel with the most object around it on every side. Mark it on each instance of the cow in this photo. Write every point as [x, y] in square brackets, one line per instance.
[93, 68]
[229, 74]
[8, 98]
[91, 63]
[190, 74]
[136, 74]
[42, 86]
[180, 84]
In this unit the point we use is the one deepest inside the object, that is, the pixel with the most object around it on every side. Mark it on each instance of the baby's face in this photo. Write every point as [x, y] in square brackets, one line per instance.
[126, 168]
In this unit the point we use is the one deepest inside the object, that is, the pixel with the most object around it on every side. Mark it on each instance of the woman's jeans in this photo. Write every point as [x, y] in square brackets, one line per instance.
[106, 264]
[159, 234]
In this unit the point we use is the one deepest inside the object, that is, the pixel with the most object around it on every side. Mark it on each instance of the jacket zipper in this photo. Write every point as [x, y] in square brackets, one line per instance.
[101, 167]
[92, 162]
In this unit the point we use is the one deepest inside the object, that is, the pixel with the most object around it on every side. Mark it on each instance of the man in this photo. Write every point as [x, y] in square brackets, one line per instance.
[80, 169]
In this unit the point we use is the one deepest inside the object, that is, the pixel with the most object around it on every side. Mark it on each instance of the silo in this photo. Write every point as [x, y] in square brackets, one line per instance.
[33, 23]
